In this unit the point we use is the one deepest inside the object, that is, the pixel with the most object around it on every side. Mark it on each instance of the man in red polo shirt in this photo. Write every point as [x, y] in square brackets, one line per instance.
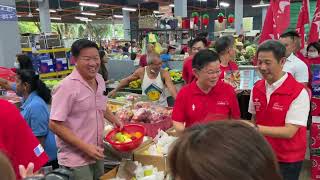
[206, 99]
[195, 45]
[280, 106]
[17, 141]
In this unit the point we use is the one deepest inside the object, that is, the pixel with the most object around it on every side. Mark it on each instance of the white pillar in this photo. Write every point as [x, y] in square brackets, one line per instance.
[264, 12]
[181, 8]
[9, 36]
[44, 13]
[126, 24]
[238, 13]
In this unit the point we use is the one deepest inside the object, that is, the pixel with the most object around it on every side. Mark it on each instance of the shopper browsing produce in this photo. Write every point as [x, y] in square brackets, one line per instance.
[293, 65]
[22, 62]
[103, 70]
[35, 111]
[227, 54]
[225, 150]
[154, 80]
[17, 140]
[195, 45]
[206, 99]
[280, 107]
[77, 114]
[167, 56]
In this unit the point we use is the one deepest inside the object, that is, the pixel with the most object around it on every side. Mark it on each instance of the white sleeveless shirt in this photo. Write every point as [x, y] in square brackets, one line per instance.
[154, 88]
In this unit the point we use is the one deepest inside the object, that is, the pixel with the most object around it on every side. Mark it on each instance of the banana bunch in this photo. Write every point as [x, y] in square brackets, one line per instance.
[175, 75]
[135, 84]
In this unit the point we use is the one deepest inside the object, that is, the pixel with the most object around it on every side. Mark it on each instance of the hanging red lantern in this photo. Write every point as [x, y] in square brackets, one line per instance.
[205, 20]
[231, 19]
[220, 17]
[195, 16]
[186, 23]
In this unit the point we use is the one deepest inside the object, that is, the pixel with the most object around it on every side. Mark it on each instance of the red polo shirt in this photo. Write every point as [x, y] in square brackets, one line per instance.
[193, 106]
[232, 66]
[187, 74]
[17, 140]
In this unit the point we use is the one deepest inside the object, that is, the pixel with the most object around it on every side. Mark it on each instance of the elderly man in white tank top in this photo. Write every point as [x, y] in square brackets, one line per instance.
[154, 80]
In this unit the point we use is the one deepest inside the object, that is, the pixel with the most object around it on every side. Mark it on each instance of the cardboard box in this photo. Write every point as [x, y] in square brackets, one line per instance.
[109, 175]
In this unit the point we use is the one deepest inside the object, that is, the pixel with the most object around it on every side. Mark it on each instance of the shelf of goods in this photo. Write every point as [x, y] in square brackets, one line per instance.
[51, 63]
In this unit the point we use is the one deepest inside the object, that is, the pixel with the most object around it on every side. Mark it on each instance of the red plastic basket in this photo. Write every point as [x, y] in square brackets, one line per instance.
[129, 146]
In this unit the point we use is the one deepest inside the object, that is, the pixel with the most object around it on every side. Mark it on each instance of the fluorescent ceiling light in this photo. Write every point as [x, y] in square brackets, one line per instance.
[88, 14]
[171, 5]
[86, 20]
[77, 17]
[118, 16]
[19, 16]
[156, 12]
[202, 0]
[224, 4]
[50, 10]
[89, 4]
[261, 4]
[55, 18]
[129, 9]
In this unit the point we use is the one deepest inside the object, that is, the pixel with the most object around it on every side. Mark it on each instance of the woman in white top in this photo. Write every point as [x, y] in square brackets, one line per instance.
[154, 80]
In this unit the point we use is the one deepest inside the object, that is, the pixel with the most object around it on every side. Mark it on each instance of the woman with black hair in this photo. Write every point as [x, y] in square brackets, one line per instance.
[22, 62]
[35, 111]
[103, 70]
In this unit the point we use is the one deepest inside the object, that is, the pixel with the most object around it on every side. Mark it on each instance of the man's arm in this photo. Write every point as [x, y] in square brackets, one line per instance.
[6, 84]
[178, 126]
[112, 118]
[171, 87]
[124, 82]
[69, 137]
[286, 132]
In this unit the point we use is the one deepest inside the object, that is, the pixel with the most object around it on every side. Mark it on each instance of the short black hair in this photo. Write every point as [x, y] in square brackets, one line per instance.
[80, 44]
[315, 45]
[203, 58]
[198, 39]
[25, 61]
[223, 43]
[276, 47]
[291, 34]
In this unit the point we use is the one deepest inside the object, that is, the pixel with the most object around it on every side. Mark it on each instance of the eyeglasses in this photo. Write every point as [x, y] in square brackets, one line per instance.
[87, 58]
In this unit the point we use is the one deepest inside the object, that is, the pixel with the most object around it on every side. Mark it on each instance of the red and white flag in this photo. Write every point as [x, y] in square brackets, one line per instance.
[315, 25]
[302, 20]
[277, 20]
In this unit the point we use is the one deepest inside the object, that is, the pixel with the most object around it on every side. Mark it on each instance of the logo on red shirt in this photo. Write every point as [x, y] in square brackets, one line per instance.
[277, 106]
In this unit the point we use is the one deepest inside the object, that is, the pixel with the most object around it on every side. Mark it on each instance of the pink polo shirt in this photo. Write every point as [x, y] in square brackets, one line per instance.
[81, 110]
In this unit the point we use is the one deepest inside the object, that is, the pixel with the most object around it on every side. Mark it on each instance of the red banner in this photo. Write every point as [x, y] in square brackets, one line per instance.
[302, 20]
[277, 20]
[315, 25]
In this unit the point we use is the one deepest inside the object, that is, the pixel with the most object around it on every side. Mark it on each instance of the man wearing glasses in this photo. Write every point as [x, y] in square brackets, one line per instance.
[77, 114]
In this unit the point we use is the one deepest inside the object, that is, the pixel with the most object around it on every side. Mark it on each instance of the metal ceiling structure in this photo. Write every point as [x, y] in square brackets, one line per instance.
[68, 9]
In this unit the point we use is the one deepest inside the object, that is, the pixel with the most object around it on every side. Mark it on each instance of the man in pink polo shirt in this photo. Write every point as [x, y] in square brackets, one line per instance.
[77, 114]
